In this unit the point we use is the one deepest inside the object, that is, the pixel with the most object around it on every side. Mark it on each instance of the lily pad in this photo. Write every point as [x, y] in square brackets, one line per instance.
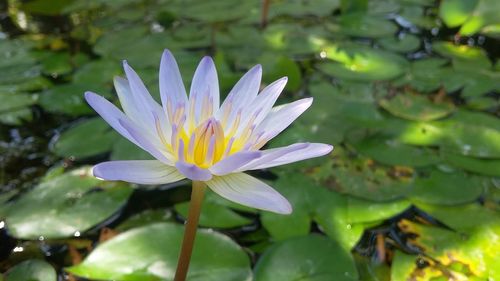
[360, 63]
[15, 107]
[391, 152]
[66, 98]
[151, 252]
[363, 25]
[456, 12]
[488, 167]
[64, 205]
[404, 43]
[447, 188]
[31, 270]
[214, 214]
[99, 138]
[416, 107]
[123, 149]
[472, 55]
[312, 257]
[364, 179]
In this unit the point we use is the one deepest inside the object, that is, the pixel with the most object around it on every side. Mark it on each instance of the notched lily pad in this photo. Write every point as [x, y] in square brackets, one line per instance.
[311, 257]
[359, 63]
[65, 204]
[151, 252]
[88, 138]
[31, 270]
[416, 107]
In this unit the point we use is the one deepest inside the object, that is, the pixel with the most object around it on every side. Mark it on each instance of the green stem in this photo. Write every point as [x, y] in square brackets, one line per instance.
[197, 194]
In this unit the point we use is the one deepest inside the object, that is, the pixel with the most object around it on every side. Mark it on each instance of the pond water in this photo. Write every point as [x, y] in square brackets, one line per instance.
[407, 91]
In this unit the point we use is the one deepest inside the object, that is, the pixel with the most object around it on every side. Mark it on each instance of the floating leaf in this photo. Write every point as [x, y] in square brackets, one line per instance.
[362, 63]
[151, 252]
[97, 135]
[488, 167]
[416, 107]
[15, 107]
[62, 205]
[363, 25]
[31, 270]
[404, 43]
[391, 152]
[66, 98]
[312, 257]
[447, 188]
[214, 214]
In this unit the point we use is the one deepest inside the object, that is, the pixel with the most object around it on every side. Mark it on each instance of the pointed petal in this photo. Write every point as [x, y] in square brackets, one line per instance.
[138, 114]
[140, 172]
[110, 113]
[193, 172]
[205, 86]
[147, 142]
[289, 154]
[249, 191]
[142, 99]
[282, 116]
[171, 86]
[242, 94]
[234, 162]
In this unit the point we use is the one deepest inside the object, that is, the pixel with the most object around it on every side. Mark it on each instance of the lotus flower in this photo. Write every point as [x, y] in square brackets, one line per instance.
[196, 138]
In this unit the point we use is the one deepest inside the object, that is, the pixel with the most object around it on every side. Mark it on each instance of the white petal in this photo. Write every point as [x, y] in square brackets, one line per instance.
[110, 113]
[140, 171]
[242, 94]
[264, 102]
[281, 117]
[249, 191]
[148, 142]
[193, 172]
[234, 162]
[289, 154]
[205, 85]
[171, 86]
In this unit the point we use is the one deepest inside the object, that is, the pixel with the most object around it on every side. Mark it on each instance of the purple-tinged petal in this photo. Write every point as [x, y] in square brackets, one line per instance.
[142, 99]
[242, 94]
[172, 89]
[140, 172]
[193, 172]
[204, 88]
[289, 154]
[281, 117]
[234, 162]
[263, 103]
[152, 146]
[249, 191]
[110, 113]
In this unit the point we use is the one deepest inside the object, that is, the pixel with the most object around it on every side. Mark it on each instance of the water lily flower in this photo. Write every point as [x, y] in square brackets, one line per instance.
[198, 138]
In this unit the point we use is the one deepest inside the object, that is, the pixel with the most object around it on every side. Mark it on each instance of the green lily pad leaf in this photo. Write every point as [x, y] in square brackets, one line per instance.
[213, 11]
[123, 149]
[363, 25]
[277, 67]
[488, 167]
[472, 256]
[426, 75]
[483, 16]
[99, 72]
[473, 55]
[452, 135]
[403, 266]
[456, 12]
[448, 189]
[306, 258]
[31, 270]
[65, 204]
[15, 107]
[298, 8]
[464, 218]
[404, 44]
[67, 99]
[44, 8]
[99, 138]
[391, 152]
[362, 178]
[214, 214]
[145, 218]
[416, 107]
[360, 63]
[151, 252]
